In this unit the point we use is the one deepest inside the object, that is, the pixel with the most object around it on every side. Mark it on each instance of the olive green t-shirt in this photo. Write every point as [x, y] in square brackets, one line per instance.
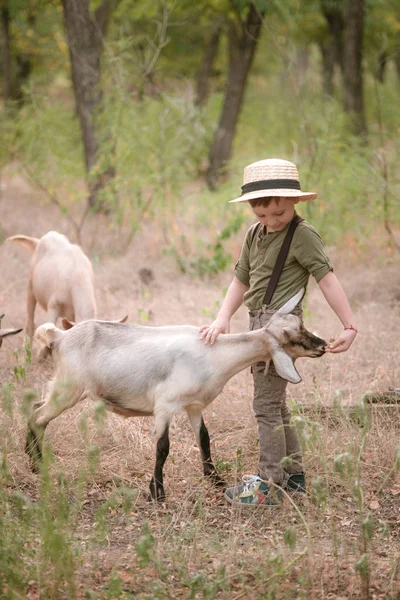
[258, 256]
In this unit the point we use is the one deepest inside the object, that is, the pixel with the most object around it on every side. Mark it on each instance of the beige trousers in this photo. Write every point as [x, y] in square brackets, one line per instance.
[278, 439]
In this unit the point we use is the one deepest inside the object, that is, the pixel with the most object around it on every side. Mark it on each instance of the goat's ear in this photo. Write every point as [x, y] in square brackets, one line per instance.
[291, 304]
[67, 324]
[284, 366]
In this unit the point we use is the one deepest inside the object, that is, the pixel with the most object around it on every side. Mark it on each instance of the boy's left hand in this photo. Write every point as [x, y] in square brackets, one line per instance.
[342, 342]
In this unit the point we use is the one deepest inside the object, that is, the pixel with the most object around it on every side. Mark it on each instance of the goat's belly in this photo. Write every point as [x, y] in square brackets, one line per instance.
[126, 412]
[126, 405]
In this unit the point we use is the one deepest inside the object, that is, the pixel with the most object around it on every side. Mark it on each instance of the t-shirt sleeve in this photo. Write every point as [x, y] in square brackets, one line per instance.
[242, 267]
[309, 251]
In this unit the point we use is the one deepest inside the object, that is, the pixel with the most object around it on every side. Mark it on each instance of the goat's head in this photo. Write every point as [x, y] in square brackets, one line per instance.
[289, 339]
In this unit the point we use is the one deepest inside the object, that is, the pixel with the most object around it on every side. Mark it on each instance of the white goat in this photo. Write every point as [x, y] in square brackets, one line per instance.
[61, 279]
[5, 332]
[142, 371]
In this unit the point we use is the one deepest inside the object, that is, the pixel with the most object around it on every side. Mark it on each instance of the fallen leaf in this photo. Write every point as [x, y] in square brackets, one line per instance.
[374, 505]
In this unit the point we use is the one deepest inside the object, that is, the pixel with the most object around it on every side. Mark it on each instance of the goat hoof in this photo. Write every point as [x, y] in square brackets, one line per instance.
[157, 493]
[160, 499]
[34, 451]
[219, 481]
[216, 479]
[35, 468]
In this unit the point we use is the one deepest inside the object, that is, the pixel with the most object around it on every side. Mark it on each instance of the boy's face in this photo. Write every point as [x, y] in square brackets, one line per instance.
[277, 214]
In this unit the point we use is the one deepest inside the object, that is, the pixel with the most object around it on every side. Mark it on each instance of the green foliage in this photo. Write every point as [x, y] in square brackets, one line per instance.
[145, 546]
[157, 140]
[218, 259]
[314, 134]
[289, 537]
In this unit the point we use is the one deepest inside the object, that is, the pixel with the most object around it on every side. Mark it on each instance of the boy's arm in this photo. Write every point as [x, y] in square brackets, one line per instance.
[337, 300]
[231, 303]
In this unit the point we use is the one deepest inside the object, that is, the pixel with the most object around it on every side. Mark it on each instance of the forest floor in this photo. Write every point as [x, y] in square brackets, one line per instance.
[195, 546]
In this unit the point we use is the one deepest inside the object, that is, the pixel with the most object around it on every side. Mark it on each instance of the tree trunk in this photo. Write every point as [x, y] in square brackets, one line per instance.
[381, 63]
[332, 48]
[396, 55]
[301, 64]
[14, 78]
[242, 46]
[85, 40]
[6, 43]
[203, 78]
[352, 55]
[328, 67]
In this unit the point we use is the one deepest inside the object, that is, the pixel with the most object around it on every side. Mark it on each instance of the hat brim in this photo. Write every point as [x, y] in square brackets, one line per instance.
[283, 193]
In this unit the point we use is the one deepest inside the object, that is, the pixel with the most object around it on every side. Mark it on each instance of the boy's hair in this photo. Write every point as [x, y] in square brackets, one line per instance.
[263, 201]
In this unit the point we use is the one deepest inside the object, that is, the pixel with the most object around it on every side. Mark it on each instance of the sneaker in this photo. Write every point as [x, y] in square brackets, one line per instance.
[254, 491]
[294, 483]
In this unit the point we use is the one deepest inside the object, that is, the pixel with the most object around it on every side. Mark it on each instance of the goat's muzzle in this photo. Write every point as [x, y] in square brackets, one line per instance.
[319, 348]
[318, 352]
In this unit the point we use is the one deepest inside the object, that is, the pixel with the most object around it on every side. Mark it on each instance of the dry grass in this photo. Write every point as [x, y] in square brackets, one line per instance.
[195, 546]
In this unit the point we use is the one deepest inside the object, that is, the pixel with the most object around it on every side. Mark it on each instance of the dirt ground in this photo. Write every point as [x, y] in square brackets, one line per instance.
[371, 281]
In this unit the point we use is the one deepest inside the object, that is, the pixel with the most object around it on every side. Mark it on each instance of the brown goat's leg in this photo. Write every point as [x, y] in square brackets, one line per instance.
[156, 484]
[30, 305]
[203, 442]
[53, 312]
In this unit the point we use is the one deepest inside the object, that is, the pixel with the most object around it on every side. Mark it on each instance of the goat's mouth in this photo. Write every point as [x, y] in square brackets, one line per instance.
[318, 352]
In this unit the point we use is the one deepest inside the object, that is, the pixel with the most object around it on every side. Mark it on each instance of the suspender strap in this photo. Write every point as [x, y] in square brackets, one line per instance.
[280, 261]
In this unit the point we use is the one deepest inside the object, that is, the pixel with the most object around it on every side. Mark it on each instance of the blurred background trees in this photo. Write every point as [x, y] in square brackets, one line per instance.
[139, 100]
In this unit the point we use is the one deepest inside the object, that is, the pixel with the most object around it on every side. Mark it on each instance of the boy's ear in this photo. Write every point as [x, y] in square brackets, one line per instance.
[296, 200]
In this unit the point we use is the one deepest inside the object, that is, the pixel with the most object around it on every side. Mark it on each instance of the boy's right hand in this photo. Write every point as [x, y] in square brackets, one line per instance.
[209, 333]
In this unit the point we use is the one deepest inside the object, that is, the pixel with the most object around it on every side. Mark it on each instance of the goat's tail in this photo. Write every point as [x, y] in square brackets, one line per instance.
[25, 240]
[48, 333]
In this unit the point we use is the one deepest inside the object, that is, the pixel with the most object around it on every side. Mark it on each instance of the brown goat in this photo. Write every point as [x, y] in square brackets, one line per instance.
[61, 279]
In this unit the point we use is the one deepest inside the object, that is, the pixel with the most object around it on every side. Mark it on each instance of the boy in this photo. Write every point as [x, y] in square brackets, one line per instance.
[272, 189]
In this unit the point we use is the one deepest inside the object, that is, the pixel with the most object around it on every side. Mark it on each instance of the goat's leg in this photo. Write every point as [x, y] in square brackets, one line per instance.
[53, 312]
[156, 484]
[203, 441]
[30, 305]
[61, 397]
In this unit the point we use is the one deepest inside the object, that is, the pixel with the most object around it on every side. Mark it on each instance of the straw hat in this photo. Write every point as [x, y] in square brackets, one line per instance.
[272, 178]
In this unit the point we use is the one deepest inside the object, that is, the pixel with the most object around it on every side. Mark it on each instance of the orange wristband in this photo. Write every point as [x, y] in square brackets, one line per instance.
[351, 327]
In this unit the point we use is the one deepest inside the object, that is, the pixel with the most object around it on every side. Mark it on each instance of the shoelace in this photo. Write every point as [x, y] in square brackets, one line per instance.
[250, 481]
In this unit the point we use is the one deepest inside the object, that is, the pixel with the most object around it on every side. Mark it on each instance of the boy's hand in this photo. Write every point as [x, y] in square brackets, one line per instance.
[342, 342]
[209, 333]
